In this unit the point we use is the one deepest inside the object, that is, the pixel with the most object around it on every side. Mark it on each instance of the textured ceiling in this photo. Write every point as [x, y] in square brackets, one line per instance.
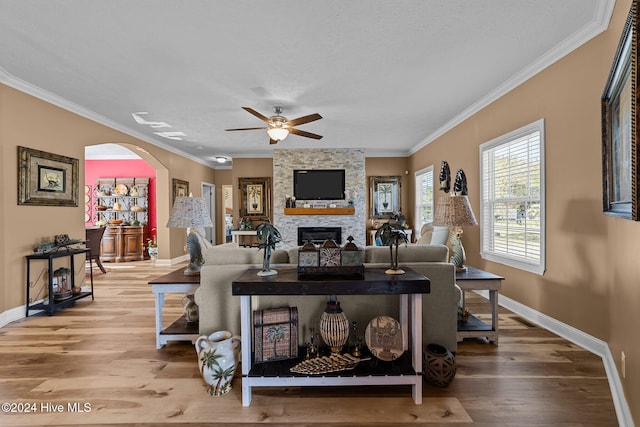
[388, 76]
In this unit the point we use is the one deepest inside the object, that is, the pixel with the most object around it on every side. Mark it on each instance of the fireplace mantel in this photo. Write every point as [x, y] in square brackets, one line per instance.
[319, 211]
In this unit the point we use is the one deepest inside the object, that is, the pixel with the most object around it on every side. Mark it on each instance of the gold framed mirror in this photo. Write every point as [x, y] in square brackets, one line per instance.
[384, 196]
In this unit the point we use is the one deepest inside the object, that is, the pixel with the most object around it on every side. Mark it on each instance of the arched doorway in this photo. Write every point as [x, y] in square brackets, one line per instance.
[129, 160]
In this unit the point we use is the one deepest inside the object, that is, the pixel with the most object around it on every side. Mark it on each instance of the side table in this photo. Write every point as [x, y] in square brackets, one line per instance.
[180, 330]
[475, 279]
[49, 305]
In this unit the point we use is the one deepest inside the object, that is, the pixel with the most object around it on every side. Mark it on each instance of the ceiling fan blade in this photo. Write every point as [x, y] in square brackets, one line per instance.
[304, 119]
[272, 141]
[305, 134]
[246, 129]
[255, 113]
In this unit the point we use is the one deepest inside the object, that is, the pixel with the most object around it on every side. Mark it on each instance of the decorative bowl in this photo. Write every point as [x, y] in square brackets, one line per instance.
[115, 222]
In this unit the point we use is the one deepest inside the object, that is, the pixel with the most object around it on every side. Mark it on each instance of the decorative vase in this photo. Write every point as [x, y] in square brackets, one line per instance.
[439, 365]
[218, 357]
[334, 326]
[190, 308]
[153, 252]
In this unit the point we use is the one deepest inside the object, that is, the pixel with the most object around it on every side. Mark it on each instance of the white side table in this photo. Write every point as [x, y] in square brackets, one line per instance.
[180, 330]
[235, 235]
[475, 279]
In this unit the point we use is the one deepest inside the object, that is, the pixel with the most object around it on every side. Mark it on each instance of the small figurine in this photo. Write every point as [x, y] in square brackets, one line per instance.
[460, 186]
[445, 177]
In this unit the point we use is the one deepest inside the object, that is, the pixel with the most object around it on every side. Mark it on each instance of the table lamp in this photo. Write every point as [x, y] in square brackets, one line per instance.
[455, 212]
[190, 213]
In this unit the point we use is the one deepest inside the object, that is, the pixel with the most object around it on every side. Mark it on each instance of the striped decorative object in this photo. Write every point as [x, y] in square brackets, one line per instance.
[334, 326]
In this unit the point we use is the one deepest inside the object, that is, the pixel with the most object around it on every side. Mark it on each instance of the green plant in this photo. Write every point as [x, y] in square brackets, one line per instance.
[153, 241]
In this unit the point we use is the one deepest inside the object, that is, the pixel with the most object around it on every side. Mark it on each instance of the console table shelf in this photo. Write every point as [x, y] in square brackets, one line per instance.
[50, 305]
[319, 211]
[366, 368]
[406, 370]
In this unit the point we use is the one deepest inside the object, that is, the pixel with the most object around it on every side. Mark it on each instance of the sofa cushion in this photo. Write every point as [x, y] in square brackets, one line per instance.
[232, 254]
[410, 253]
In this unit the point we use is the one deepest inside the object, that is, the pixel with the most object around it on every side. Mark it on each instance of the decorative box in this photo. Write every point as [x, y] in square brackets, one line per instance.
[275, 334]
[330, 260]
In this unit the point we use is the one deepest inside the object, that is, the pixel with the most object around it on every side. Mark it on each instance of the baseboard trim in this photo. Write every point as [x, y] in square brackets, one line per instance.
[579, 338]
[13, 314]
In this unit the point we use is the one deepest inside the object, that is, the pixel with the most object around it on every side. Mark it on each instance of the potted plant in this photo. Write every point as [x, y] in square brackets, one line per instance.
[152, 245]
[267, 236]
[392, 233]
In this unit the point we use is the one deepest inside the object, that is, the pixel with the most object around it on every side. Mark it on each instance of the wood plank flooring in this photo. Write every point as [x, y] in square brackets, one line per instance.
[96, 364]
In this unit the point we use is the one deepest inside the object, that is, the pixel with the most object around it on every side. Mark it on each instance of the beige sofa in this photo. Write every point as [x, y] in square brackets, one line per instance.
[219, 310]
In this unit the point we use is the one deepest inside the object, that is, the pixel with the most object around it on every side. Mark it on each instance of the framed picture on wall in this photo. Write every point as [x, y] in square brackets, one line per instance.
[46, 179]
[621, 193]
[384, 196]
[255, 198]
[180, 189]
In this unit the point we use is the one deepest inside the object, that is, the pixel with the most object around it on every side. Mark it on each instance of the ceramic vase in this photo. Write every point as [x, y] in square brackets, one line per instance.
[190, 308]
[218, 357]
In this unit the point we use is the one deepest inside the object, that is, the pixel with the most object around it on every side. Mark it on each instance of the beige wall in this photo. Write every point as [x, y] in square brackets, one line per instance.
[591, 281]
[29, 122]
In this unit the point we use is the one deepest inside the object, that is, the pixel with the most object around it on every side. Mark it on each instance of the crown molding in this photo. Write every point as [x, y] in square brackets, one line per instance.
[599, 24]
[37, 92]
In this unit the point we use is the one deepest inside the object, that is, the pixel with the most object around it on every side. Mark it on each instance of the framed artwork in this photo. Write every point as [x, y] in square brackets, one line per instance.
[620, 172]
[255, 198]
[46, 179]
[384, 196]
[180, 189]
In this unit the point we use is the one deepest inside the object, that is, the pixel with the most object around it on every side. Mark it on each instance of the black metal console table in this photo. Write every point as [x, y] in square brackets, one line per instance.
[50, 305]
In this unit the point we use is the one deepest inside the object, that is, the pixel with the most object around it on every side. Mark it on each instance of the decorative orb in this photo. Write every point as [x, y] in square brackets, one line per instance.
[439, 365]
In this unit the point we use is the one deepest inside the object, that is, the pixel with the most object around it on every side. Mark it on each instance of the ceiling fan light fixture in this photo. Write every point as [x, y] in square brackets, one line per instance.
[277, 133]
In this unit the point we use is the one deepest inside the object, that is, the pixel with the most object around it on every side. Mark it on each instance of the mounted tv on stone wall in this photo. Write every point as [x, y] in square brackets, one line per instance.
[319, 184]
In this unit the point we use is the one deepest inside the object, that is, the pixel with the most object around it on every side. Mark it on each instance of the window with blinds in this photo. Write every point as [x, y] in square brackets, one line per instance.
[424, 197]
[512, 199]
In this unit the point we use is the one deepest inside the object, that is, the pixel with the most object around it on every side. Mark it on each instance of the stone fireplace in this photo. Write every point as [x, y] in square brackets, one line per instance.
[351, 160]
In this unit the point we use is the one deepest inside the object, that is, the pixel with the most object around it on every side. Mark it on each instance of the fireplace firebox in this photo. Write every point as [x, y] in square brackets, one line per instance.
[317, 235]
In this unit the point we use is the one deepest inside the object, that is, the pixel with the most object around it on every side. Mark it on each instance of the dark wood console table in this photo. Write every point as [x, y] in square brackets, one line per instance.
[410, 286]
[50, 306]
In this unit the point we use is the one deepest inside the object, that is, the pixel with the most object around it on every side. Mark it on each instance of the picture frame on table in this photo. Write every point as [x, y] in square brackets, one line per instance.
[47, 179]
[180, 189]
[384, 196]
[255, 198]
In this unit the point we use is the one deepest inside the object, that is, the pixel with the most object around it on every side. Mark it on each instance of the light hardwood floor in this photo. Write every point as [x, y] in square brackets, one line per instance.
[100, 356]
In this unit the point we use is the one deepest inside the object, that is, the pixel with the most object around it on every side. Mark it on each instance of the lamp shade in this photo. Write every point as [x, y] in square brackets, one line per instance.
[189, 212]
[454, 211]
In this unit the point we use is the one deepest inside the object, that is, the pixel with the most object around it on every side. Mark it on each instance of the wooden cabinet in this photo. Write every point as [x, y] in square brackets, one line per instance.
[123, 243]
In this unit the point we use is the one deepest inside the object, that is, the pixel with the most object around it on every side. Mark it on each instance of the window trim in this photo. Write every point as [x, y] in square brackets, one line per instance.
[422, 171]
[537, 268]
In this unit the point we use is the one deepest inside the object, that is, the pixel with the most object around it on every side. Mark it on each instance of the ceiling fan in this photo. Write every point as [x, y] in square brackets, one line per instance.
[279, 127]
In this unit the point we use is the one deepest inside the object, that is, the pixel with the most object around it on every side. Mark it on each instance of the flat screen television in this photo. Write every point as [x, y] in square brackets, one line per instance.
[318, 184]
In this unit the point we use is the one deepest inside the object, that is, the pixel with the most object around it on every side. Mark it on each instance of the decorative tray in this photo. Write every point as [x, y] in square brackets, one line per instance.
[324, 364]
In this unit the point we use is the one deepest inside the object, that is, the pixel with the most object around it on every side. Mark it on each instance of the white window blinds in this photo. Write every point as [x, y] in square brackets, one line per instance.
[424, 197]
[512, 198]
